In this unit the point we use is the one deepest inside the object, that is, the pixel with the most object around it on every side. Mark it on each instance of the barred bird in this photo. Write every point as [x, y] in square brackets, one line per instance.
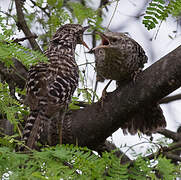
[50, 86]
[121, 58]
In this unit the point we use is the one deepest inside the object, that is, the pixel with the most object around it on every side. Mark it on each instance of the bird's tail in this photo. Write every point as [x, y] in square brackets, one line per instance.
[34, 126]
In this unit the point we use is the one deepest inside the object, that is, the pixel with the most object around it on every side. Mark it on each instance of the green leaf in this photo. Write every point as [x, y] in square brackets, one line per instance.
[166, 168]
[160, 1]
[160, 11]
[153, 11]
[51, 2]
[156, 5]
[151, 18]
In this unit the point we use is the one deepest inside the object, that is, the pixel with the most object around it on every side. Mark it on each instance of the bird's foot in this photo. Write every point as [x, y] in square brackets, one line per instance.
[104, 94]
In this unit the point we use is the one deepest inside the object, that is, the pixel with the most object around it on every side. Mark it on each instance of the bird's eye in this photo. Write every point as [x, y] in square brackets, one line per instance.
[114, 39]
[101, 51]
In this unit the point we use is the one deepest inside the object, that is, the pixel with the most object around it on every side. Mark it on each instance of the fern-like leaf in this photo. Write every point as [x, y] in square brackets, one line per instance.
[159, 11]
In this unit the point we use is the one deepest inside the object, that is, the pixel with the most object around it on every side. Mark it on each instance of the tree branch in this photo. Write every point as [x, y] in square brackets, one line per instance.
[24, 27]
[173, 157]
[164, 151]
[15, 75]
[170, 134]
[17, 40]
[169, 99]
[109, 146]
[92, 125]
[43, 9]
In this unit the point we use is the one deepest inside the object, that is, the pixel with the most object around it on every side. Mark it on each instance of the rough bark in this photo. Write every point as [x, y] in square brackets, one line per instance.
[22, 25]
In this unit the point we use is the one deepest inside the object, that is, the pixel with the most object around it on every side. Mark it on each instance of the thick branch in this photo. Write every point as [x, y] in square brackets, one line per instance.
[169, 99]
[23, 25]
[173, 157]
[109, 146]
[170, 134]
[15, 75]
[93, 124]
[165, 151]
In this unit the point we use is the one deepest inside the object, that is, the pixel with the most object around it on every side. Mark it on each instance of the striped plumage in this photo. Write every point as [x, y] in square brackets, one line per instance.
[50, 86]
[121, 58]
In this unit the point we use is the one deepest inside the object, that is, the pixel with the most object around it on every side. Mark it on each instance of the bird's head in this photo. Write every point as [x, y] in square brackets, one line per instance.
[110, 40]
[67, 31]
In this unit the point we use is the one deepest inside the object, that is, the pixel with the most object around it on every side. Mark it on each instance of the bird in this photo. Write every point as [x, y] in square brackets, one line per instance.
[118, 57]
[121, 58]
[50, 86]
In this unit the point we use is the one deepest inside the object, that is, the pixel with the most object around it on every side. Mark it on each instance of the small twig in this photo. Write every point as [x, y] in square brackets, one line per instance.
[130, 147]
[95, 89]
[43, 9]
[86, 63]
[24, 38]
[81, 104]
[158, 29]
[112, 15]
[170, 99]
[169, 134]
[7, 14]
[163, 151]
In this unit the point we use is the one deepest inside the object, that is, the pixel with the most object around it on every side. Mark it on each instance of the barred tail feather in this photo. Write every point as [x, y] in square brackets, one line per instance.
[29, 124]
[34, 126]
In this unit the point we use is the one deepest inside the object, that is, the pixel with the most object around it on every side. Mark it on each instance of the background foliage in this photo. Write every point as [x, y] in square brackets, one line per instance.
[159, 10]
[71, 162]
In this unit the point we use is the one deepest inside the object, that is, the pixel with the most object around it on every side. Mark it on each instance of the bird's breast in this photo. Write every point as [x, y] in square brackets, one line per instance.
[62, 81]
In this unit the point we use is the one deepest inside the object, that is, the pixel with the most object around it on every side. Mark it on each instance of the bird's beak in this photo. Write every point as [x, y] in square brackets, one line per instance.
[85, 28]
[105, 41]
[84, 44]
[82, 41]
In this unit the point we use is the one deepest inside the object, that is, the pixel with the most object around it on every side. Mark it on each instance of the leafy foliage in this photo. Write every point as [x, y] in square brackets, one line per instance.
[159, 11]
[166, 169]
[83, 13]
[72, 162]
[9, 49]
[10, 108]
